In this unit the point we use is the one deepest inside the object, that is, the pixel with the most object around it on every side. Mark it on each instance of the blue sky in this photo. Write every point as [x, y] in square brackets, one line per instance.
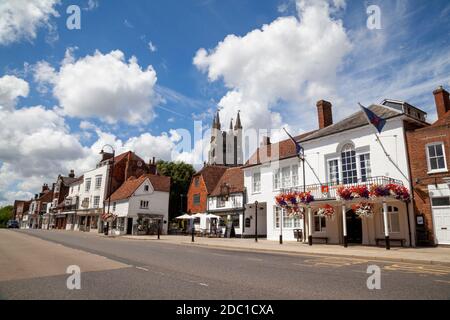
[307, 51]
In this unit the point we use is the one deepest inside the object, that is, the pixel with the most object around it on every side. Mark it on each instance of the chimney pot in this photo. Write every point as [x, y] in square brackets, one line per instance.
[441, 99]
[324, 113]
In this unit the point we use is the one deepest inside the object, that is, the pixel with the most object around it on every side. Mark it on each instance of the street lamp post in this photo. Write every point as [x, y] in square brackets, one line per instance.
[110, 181]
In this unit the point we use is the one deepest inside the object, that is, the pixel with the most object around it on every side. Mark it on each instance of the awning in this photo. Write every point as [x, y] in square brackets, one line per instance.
[184, 217]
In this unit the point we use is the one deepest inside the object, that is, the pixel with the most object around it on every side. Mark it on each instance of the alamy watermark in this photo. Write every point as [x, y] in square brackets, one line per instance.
[73, 282]
[374, 19]
[374, 280]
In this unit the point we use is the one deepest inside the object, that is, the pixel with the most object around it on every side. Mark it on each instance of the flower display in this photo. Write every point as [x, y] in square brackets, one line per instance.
[326, 211]
[306, 197]
[280, 200]
[108, 216]
[398, 191]
[379, 191]
[363, 209]
[291, 198]
[360, 191]
[344, 193]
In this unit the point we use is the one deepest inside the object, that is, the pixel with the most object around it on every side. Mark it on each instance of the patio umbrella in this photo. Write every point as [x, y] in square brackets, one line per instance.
[198, 215]
[185, 217]
[213, 216]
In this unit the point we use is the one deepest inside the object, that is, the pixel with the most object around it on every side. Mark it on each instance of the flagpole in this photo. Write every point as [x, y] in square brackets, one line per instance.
[382, 146]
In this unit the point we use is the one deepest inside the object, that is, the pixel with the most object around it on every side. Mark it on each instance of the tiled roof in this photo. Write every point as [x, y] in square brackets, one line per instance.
[46, 197]
[211, 175]
[234, 178]
[78, 180]
[68, 180]
[287, 148]
[355, 120]
[126, 190]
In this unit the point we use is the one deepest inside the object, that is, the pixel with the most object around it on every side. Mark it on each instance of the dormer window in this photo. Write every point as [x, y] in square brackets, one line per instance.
[146, 188]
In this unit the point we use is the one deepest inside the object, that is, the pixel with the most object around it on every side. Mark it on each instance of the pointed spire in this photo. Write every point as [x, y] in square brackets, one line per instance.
[214, 123]
[218, 120]
[238, 124]
[231, 124]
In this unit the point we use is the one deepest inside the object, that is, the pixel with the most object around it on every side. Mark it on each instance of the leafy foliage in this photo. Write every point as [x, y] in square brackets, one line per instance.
[181, 175]
[6, 213]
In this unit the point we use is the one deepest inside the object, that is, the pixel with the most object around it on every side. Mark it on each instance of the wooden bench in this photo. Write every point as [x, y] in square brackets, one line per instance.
[402, 241]
[321, 238]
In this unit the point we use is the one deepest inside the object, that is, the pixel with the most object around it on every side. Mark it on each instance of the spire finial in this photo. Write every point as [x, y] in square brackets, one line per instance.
[238, 124]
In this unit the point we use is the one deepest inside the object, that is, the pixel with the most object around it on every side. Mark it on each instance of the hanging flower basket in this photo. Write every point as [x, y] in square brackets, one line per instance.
[306, 197]
[109, 217]
[344, 193]
[291, 199]
[379, 191]
[360, 191]
[280, 200]
[398, 191]
[363, 209]
[326, 211]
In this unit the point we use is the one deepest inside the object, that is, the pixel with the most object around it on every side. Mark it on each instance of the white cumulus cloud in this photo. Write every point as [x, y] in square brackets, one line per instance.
[103, 86]
[20, 19]
[292, 60]
[11, 88]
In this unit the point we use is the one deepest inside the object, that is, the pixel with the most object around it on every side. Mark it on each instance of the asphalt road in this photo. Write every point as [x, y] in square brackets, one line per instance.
[33, 266]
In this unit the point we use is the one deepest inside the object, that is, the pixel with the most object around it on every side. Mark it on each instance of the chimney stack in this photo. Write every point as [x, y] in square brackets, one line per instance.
[44, 187]
[265, 141]
[324, 114]
[72, 174]
[441, 99]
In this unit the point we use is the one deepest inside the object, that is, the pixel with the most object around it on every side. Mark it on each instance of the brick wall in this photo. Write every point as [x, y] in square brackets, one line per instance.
[202, 191]
[417, 140]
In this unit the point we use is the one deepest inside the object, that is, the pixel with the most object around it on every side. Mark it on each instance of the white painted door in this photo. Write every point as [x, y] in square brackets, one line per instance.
[442, 224]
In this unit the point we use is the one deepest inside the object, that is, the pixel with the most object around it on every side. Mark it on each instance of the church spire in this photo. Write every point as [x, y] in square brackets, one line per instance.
[231, 124]
[238, 124]
[217, 120]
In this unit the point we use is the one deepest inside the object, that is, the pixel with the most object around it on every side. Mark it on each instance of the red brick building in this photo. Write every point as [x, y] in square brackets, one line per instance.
[203, 184]
[20, 207]
[429, 154]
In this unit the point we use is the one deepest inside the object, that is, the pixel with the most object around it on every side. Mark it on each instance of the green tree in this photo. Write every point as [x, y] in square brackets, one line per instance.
[180, 174]
[6, 213]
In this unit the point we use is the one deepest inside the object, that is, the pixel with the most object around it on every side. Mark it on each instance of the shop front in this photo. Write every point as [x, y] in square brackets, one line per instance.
[351, 214]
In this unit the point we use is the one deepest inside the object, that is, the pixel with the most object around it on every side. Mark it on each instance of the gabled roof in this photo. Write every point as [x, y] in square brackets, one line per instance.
[234, 178]
[355, 120]
[77, 180]
[68, 180]
[46, 197]
[287, 148]
[126, 190]
[211, 175]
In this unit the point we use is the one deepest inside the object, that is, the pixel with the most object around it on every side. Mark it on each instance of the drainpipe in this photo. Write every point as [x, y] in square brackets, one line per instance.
[411, 187]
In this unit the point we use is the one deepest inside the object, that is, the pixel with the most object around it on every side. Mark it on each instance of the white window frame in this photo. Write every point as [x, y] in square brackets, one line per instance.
[87, 185]
[353, 149]
[445, 169]
[322, 229]
[144, 204]
[97, 185]
[286, 181]
[96, 205]
[367, 164]
[295, 222]
[276, 179]
[294, 179]
[390, 215]
[338, 177]
[256, 188]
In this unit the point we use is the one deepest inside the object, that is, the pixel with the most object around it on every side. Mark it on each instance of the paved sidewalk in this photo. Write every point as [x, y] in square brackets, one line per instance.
[438, 255]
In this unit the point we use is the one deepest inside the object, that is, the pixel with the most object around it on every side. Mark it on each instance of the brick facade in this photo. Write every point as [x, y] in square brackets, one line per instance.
[417, 140]
[200, 190]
